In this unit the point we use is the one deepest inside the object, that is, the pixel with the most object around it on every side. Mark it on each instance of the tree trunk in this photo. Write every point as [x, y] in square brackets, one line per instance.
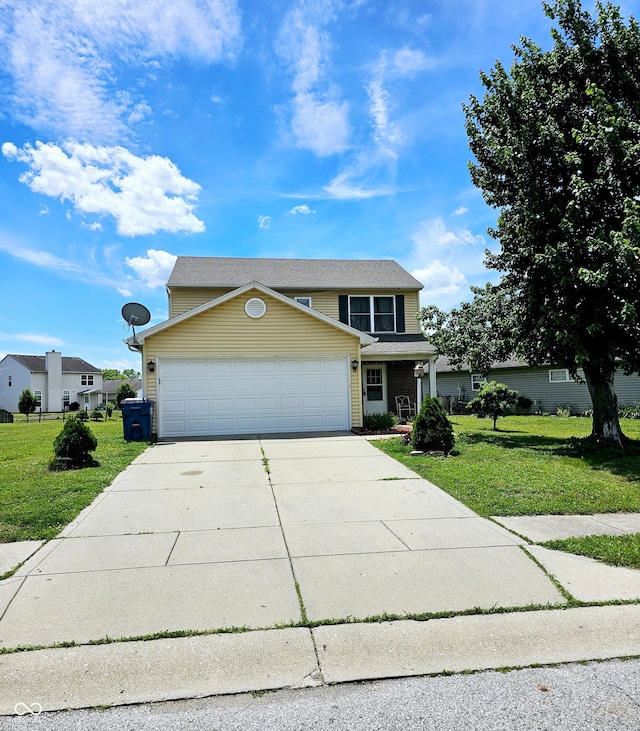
[605, 427]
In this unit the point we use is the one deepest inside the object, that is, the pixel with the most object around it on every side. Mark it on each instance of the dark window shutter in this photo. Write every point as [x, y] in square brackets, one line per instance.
[343, 308]
[400, 328]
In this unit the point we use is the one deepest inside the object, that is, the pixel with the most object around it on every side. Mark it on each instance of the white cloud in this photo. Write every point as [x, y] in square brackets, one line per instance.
[319, 119]
[264, 221]
[40, 339]
[154, 268]
[360, 178]
[434, 233]
[439, 279]
[44, 211]
[342, 188]
[43, 259]
[37, 338]
[62, 56]
[143, 194]
[460, 211]
[320, 126]
[304, 210]
[408, 62]
[385, 131]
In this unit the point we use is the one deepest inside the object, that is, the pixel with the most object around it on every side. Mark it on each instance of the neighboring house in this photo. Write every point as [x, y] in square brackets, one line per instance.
[549, 387]
[110, 388]
[55, 380]
[277, 345]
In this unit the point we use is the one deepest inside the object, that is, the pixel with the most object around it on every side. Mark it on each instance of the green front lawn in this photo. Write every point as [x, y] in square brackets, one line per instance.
[36, 503]
[614, 550]
[530, 466]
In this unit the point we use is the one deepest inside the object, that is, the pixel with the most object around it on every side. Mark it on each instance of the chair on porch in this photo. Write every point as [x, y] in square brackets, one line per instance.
[405, 408]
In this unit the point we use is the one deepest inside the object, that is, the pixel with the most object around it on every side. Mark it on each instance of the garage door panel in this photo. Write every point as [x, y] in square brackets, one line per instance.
[199, 397]
[268, 403]
[221, 405]
[245, 385]
[196, 368]
[245, 404]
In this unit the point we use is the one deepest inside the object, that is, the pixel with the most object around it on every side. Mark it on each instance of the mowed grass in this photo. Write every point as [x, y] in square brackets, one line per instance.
[35, 504]
[531, 466]
[614, 550]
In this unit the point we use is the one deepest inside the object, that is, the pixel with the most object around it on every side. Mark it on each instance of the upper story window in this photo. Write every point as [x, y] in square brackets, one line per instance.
[86, 380]
[373, 314]
[560, 375]
[11, 380]
[303, 301]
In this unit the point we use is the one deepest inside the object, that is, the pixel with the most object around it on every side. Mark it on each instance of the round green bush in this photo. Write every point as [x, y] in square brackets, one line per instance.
[432, 430]
[74, 443]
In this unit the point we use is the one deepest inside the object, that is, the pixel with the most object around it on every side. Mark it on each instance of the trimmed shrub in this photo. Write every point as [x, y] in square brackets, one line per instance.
[432, 430]
[74, 406]
[379, 422]
[74, 444]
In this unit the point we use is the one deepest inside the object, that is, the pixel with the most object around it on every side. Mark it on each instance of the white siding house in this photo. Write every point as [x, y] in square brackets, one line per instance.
[55, 380]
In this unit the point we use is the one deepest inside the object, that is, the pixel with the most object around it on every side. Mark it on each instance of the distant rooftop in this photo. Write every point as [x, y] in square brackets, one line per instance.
[36, 364]
[300, 274]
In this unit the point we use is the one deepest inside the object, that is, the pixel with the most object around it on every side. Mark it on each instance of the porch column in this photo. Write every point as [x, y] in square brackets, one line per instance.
[433, 390]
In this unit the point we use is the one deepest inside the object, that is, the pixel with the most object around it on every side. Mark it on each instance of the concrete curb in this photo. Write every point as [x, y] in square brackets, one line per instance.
[194, 667]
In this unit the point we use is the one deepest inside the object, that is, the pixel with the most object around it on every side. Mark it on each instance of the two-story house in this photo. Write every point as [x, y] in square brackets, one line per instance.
[54, 379]
[278, 345]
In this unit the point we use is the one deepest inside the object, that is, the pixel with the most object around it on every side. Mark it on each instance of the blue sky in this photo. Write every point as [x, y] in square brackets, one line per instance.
[139, 130]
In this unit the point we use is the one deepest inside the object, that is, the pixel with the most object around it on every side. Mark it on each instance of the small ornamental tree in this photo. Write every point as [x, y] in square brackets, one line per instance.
[494, 400]
[74, 443]
[125, 390]
[432, 430]
[27, 403]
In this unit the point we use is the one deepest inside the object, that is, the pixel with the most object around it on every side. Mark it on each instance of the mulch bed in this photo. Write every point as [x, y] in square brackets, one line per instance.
[398, 429]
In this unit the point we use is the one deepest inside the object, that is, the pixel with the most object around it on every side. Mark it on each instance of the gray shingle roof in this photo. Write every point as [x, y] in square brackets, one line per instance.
[399, 345]
[112, 386]
[444, 366]
[36, 364]
[300, 274]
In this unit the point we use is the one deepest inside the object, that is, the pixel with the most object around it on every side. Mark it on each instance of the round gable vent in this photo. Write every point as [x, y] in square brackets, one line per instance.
[255, 307]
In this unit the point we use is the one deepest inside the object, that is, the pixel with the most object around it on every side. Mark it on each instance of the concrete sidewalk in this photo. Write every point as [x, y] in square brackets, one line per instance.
[260, 533]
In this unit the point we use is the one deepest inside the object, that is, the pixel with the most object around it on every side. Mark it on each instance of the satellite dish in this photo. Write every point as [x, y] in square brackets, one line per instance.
[135, 314]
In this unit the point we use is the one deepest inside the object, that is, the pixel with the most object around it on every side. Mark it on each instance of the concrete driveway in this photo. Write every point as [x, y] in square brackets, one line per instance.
[293, 538]
[263, 532]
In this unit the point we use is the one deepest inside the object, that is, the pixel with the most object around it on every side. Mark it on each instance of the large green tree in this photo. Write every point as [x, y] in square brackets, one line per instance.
[556, 141]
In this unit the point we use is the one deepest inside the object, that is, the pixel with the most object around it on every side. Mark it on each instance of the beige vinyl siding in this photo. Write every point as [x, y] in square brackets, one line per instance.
[186, 298]
[226, 330]
[325, 302]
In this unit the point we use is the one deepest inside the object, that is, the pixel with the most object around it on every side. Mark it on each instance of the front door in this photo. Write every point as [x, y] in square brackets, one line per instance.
[374, 389]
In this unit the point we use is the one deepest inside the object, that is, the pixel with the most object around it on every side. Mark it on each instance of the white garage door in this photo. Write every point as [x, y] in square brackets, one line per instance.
[199, 397]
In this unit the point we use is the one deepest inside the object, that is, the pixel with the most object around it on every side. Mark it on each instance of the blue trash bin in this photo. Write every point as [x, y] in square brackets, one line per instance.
[137, 414]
